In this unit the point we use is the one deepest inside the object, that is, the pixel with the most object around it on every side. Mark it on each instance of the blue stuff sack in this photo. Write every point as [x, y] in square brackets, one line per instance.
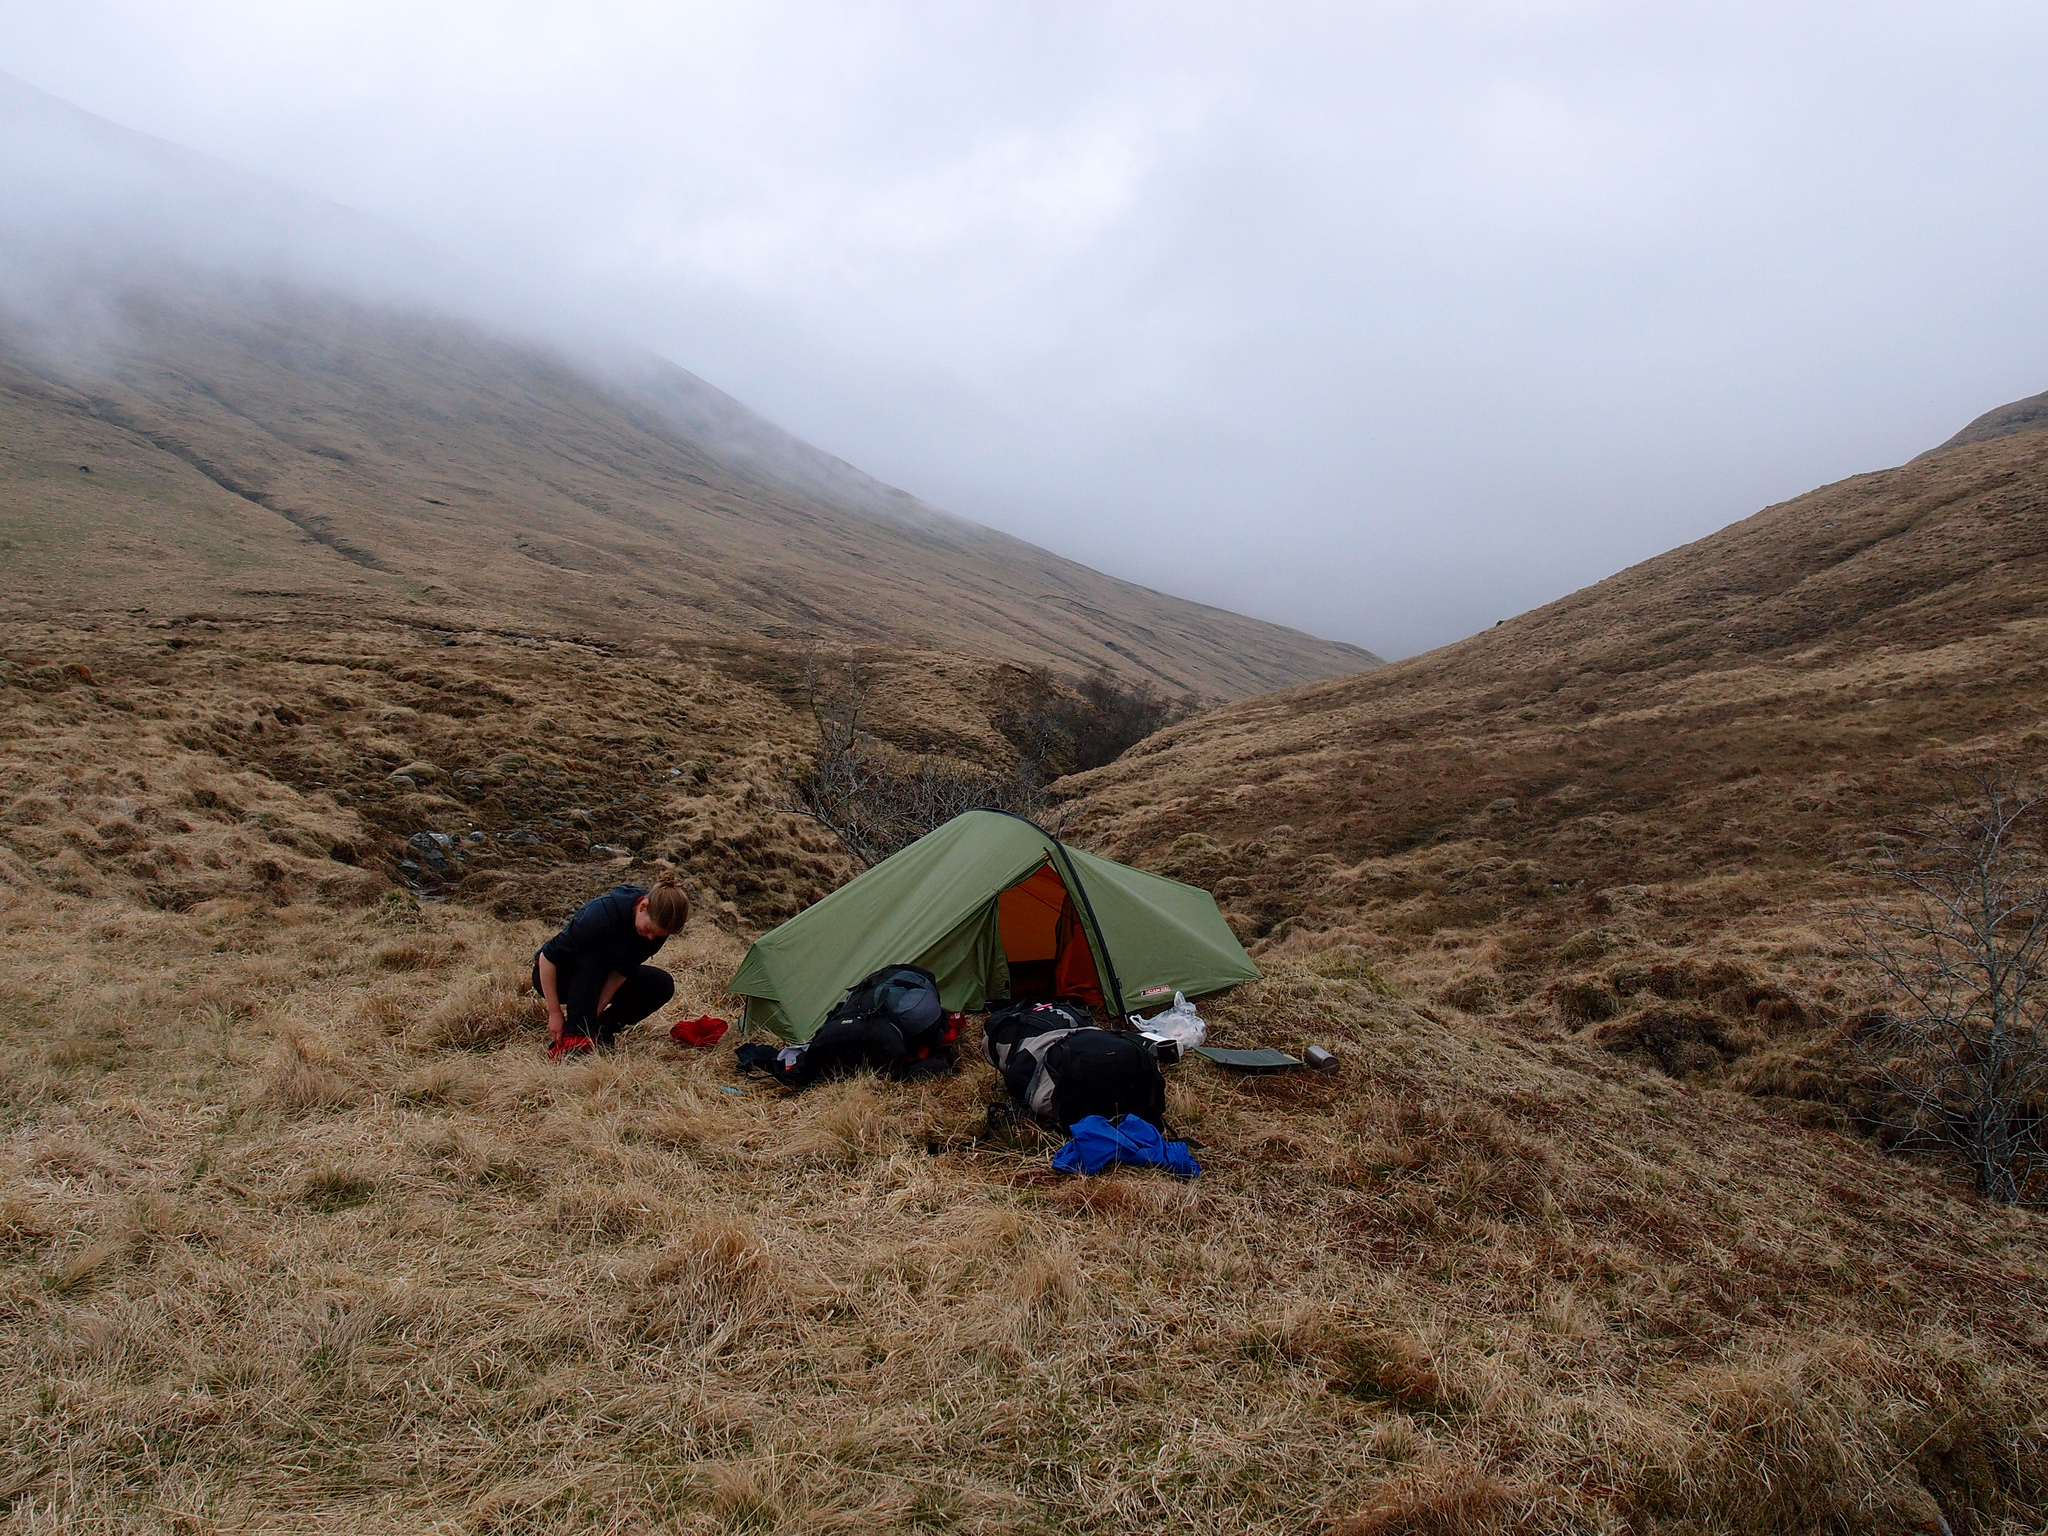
[1098, 1144]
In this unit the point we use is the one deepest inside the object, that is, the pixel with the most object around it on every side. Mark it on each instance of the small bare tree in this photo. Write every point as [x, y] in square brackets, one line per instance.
[1964, 1049]
[875, 801]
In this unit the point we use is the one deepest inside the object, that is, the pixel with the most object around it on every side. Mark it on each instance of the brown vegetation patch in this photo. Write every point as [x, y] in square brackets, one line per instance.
[1457, 1502]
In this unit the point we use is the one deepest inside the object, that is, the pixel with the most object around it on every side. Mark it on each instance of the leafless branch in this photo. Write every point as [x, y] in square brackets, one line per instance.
[1964, 1048]
[877, 801]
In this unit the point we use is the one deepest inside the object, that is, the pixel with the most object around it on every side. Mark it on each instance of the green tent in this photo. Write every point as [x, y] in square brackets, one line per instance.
[989, 903]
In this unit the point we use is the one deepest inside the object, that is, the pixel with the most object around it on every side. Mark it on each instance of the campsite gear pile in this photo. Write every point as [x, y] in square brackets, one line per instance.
[1099, 1144]
[992, 911]
[890, 1021]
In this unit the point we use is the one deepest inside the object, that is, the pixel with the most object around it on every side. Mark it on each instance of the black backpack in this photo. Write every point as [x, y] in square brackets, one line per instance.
[1060, 1067]
[905, 996]
[891, 1022]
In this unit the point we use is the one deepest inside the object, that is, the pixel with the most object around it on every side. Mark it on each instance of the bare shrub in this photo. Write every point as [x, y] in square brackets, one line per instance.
[875, 800]
[1964, 1053]
[1061, 730]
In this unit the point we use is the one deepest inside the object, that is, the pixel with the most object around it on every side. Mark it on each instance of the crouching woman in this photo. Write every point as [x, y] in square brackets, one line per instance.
[594, 975]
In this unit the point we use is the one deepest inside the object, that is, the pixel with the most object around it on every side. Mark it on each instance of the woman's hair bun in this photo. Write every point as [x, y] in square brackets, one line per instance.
[667, 904]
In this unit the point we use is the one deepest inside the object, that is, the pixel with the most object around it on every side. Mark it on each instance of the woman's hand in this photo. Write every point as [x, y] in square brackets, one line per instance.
[551, 995]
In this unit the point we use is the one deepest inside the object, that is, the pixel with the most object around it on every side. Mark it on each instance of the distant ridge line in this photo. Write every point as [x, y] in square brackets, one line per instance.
[2028, 415]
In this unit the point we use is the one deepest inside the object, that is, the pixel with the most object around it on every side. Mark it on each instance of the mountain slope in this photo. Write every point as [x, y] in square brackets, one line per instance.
[1682, 765]
[288, 408]
[445, 465]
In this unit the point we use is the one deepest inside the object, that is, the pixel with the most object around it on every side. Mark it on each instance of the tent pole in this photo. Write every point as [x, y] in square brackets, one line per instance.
[1073, 878]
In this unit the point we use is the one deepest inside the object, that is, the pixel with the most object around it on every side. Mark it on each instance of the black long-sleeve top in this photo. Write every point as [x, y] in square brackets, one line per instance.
[601, 936]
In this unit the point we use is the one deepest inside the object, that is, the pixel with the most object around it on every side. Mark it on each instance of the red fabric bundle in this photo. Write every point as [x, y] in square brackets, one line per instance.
[702, 1032]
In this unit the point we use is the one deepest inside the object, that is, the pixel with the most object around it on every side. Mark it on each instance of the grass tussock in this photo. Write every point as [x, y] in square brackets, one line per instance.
[304, 1076]
[338, 1189]
[482, 1013]
[1448, 1501]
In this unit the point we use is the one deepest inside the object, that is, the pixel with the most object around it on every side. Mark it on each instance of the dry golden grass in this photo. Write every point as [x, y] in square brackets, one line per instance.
[299, 1228]
[275, 1259]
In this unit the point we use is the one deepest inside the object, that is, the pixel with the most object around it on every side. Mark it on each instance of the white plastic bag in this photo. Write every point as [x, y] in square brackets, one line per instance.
[1180, 1024]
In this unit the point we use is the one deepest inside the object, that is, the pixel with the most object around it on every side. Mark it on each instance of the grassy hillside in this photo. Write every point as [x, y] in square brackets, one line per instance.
[298, 1226]
[2028, 415]
[257, 448]
[311, 605]
[1684, 763]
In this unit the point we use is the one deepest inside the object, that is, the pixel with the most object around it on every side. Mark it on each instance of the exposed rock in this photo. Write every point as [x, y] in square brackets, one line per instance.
[434, 847]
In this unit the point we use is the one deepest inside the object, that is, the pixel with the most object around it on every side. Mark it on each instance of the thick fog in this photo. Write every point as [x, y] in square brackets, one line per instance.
[1386, 321]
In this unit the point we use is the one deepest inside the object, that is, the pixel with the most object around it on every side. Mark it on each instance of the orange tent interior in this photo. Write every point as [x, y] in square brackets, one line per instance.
[1043, 941]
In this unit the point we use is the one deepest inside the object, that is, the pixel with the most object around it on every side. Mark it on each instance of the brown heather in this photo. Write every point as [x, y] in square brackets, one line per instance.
[299, 1229]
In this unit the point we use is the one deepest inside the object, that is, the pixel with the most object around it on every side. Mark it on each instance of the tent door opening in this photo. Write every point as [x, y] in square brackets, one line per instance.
[1043, 940]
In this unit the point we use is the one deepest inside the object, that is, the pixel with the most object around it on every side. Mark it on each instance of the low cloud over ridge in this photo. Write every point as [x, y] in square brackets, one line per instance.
[1382, 322]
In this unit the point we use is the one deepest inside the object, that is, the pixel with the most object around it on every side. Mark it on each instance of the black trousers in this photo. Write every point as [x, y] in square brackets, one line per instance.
[645, 989]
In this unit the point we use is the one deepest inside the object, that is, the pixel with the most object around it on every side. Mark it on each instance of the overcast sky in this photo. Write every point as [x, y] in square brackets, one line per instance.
[1384, 320]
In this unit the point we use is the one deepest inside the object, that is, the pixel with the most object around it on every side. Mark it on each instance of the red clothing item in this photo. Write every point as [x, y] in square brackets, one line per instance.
[702, 1032]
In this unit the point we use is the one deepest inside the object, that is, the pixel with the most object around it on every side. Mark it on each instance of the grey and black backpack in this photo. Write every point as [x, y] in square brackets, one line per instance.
[1057, 1065]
